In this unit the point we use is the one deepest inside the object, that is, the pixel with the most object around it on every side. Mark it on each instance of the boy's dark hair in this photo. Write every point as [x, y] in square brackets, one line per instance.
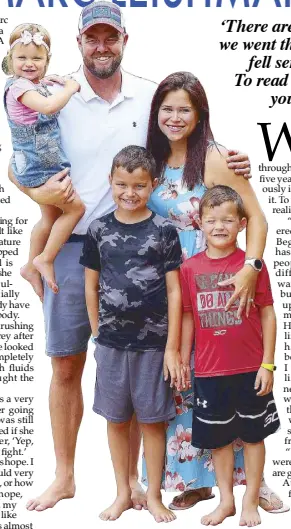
[133, 157]
[217, 195]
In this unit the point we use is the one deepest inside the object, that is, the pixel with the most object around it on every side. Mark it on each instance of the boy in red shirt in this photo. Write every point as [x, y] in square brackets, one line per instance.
[234, 357]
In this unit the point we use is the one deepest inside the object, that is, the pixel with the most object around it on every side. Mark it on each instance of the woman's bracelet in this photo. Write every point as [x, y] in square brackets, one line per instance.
[94, 339]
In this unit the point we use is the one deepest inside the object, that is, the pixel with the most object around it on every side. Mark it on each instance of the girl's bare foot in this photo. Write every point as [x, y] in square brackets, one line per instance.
[224, 510]
[46, 270]
[121, 504]
[59, 490]
[32, 275]
[249, 515]
[159, 511]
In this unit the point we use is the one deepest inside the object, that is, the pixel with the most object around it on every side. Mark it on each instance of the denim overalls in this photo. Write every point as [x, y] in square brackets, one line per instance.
[37, 149]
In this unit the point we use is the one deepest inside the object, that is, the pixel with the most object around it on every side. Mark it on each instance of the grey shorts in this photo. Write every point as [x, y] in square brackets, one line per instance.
[67, 325]
[130, 382]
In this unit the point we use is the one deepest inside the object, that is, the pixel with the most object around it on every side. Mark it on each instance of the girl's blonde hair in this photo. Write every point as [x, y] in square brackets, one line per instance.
[16, 34]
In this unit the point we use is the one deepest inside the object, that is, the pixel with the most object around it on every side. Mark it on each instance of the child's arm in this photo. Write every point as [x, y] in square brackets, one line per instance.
[265, 378]
[92, 298]
[53, 103]
[172, 361]
[187, 339]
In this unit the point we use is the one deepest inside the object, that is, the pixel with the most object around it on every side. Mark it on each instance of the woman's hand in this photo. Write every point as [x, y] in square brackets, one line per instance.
[245, 287]
[240, 163]
[264, 381]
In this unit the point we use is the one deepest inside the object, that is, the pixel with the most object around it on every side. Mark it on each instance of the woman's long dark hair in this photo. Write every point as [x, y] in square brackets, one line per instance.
[198, 140]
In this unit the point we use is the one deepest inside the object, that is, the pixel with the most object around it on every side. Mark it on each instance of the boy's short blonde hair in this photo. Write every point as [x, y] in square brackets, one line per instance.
[16, 34]
[217, 195]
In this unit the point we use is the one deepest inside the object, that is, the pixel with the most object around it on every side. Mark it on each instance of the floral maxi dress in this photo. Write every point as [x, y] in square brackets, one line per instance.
[186, 467]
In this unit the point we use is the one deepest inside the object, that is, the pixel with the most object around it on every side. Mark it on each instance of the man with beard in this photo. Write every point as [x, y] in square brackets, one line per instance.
[110, 112]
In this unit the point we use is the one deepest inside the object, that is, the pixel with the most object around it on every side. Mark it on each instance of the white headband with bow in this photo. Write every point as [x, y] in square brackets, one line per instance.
[27, 38]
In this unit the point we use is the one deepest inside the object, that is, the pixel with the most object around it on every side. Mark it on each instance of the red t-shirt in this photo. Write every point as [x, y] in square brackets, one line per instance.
[224, 345]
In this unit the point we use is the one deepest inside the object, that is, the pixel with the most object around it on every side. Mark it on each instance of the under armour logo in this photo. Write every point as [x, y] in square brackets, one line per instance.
[219, 333]
[134, 123]
[203, 404]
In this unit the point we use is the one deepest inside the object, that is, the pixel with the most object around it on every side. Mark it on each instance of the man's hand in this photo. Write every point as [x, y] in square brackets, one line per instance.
[240, 163]
[172, 367]
[58, 190]
[245, 288]
[265, 381]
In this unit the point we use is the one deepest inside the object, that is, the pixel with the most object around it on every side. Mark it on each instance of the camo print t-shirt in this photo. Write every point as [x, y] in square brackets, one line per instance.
[133, 260]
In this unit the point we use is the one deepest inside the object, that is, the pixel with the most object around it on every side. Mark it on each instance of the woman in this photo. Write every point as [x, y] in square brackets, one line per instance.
[189, 161]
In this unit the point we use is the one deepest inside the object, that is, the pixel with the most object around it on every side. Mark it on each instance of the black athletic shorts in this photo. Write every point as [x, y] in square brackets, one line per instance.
[227, 407]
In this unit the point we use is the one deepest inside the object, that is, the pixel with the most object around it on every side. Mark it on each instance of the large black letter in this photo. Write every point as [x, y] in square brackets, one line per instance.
[284, 130]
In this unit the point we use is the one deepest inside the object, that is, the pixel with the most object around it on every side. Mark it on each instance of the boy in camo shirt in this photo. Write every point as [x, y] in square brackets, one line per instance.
[132, 258]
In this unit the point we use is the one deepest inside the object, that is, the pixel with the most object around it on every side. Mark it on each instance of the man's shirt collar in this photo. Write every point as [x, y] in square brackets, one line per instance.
[87, 93]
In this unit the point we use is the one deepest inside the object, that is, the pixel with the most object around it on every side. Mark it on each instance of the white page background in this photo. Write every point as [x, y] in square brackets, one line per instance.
[161, 41]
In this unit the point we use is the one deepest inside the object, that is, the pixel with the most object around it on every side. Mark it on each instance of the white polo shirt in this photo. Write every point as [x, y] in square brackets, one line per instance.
[93, 131]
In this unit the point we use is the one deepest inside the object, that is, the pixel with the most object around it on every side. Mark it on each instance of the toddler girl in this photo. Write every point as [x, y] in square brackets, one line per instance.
[37, 152]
